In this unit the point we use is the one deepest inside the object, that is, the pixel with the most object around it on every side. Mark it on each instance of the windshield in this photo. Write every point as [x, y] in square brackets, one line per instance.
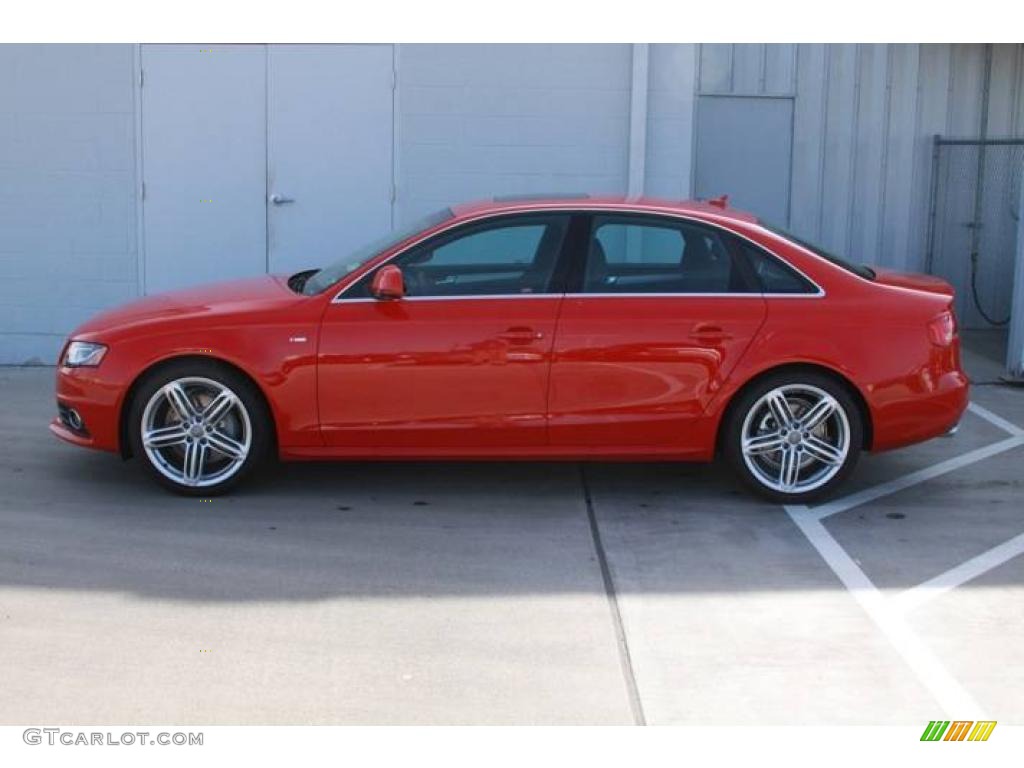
[861, 270]
[322, 279]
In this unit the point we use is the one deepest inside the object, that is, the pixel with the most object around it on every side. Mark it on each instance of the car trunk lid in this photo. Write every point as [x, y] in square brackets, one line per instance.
[917, 281]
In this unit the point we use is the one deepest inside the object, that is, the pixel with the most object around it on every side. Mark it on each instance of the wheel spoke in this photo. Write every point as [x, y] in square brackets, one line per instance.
[195, 457]
[226, 444]
[218, 407]
[762, 444]
[164, 437]
[178, 399]
[823, 451]
[819, 413]
[779, 407]
[789, 470]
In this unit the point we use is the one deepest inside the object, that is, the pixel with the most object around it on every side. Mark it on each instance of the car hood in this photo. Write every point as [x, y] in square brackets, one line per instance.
[258, 293]
[917, 281]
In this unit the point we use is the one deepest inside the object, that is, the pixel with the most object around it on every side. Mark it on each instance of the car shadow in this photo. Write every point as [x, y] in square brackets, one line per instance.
[309, 531]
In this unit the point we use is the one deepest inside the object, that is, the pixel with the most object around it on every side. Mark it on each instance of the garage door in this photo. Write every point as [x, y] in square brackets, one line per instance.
[262, 158]
[744, 145]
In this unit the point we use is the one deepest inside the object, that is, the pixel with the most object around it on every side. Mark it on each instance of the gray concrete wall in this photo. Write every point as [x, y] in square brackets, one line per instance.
[67, 191]
[864, 117]
[474, 121]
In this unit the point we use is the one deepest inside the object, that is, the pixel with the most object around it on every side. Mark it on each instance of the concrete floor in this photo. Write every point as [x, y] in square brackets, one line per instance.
[474, 593]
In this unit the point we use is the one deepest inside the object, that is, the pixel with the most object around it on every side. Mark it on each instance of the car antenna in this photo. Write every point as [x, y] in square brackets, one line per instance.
[719, 202]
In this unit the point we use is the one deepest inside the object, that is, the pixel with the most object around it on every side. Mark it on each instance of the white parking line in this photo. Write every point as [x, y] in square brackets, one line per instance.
[889, 613]
[907, 481]
[999, 421]
[961, 574]
[950, 695]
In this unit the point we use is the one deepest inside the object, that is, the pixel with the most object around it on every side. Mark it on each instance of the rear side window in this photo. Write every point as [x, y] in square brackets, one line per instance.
[774, 275]
[861, 270]
[631, 254]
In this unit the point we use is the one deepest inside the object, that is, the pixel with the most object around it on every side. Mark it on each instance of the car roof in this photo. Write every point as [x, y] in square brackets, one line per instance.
[717, 210]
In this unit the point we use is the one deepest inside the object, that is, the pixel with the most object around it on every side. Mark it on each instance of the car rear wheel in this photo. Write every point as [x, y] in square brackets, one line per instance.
[199, 427]
[794, 437]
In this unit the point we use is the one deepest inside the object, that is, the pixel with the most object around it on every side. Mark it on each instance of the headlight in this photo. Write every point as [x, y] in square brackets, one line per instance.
[84, 354]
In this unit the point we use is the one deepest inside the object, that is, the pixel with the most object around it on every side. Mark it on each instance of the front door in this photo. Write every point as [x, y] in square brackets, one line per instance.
[461, 363]
[662, 313]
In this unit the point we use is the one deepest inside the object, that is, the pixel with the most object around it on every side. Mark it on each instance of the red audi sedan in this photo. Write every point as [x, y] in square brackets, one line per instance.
[556, 328]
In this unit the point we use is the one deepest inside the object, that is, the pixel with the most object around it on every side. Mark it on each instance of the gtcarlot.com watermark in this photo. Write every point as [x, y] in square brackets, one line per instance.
[55, 736]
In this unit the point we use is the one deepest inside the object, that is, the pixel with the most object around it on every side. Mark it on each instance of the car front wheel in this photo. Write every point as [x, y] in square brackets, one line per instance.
[199, 427]
[794, 437]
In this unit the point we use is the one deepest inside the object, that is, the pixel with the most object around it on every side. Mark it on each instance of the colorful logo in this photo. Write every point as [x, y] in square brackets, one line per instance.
[958, 730]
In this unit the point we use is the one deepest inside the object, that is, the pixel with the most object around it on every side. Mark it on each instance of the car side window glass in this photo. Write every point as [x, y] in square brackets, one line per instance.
[774, 275]
[631, 255]
[508, 246]
[511, 257]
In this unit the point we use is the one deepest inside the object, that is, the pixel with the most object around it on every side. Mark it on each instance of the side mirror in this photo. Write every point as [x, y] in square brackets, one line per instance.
[388, 283]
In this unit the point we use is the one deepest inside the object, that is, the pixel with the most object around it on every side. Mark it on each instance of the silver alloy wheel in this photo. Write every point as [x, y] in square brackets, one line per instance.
[196, 431]
[795, 438]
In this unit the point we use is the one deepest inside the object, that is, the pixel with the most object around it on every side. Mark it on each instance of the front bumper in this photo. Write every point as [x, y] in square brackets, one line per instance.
[97, 402]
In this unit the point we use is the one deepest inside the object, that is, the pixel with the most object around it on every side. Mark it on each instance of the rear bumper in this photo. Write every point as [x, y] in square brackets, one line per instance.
[922, 415]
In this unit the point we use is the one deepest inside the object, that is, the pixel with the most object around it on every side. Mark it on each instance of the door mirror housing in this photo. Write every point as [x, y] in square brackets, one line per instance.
[388, 283]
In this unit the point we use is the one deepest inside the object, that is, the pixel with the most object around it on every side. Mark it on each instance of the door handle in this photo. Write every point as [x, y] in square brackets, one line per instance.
[277, 199]
[710, 332]
[520, 335]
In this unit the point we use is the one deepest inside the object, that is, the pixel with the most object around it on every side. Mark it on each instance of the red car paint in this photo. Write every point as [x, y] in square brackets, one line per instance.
[558, 376]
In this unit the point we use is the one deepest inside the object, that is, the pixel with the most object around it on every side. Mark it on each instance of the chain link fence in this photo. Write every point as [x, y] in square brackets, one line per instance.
[973, 224]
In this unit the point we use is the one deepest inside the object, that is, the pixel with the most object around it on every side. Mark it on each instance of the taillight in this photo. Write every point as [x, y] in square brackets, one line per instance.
[942, 329]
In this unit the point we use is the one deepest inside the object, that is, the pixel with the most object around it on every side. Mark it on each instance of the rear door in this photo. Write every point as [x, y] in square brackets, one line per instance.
[658, 317]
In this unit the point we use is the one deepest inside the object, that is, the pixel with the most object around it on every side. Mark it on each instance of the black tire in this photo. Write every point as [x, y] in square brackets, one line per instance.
[798, 388]
[251, 426]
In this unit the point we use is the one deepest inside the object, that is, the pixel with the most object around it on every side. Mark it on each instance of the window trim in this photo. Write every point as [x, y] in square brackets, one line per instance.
[450, 234]
[574, 286]
[750, 269]
[572, 259]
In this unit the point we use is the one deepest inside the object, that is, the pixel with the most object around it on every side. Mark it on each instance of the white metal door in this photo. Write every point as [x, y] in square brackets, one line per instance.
[329, 132]
[204, 163]
[744, 149]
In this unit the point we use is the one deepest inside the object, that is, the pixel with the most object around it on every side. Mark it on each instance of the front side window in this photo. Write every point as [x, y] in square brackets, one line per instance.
[637, 255]
[513, 256]
[321, 279]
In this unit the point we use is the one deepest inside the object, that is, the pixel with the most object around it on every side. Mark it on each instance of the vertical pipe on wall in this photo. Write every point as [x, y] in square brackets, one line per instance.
[395, 124]
[140, 186]
[638, 121]
[979, 187]
[690, 112]
[1015, 347]
[267, 159]
[929, 259]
